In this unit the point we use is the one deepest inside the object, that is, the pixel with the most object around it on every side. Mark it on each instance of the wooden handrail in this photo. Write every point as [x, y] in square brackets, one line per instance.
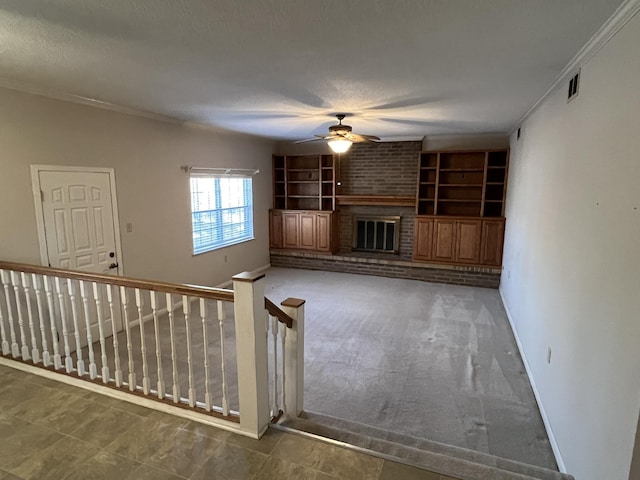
[178, 289]
[274, 310]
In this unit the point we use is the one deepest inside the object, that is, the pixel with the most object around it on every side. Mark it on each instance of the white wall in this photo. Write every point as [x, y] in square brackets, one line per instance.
[571, 277]
[153, 193]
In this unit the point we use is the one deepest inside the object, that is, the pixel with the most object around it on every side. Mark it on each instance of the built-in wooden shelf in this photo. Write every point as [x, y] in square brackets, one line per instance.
[462, 183]
[379, 200]
[304, 182]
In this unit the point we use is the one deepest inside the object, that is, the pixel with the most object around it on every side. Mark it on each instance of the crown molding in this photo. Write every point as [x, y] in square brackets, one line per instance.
[113, 107]
[625, 12]
[79, 99]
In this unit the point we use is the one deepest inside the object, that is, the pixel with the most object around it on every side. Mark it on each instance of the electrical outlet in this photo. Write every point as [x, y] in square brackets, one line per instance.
[549, 355]
[129, 227]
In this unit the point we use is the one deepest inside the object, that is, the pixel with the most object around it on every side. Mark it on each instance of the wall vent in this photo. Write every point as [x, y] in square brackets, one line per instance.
[574, 83]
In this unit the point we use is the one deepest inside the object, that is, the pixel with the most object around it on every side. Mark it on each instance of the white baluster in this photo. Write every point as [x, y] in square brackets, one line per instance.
[57, 361]
[283, 334]
[143, 343]
[205, 339]
[186, 310]
[84, 294]
[5, 342]
[127, 328]
[97, 296]
[156, 330]
[37, 286]
[225, 401]
[23, 338]
[116, 346]
[68, 361]
[71, 289]
[26, 286]
[174, 359]
[274, 337]
[15, 349]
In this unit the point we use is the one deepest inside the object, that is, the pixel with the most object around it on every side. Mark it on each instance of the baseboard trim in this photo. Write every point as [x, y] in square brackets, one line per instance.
[545, 419]
[263, 268]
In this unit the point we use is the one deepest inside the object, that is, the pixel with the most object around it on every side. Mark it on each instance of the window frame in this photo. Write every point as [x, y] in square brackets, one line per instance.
[246, 209]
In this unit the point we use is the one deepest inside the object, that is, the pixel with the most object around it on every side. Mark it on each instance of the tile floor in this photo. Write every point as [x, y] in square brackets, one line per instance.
[54, 431]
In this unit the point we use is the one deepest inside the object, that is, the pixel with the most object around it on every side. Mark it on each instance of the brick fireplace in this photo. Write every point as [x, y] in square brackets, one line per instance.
[378, 171]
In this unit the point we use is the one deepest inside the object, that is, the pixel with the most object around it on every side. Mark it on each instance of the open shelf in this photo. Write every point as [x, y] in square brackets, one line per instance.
[462, 169]
[466, 183]
[304, 182]
[460, 185]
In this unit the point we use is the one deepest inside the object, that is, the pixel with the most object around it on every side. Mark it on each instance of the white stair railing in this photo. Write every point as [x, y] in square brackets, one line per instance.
[62, 320]
[285, 334]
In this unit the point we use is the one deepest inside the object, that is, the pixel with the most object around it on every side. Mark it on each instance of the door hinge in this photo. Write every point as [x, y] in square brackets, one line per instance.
[42, 196]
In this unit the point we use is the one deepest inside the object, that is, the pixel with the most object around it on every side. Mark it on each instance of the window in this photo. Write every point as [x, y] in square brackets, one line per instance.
[221, 211]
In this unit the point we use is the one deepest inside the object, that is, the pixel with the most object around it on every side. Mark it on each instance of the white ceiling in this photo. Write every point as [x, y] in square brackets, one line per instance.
[283, 68]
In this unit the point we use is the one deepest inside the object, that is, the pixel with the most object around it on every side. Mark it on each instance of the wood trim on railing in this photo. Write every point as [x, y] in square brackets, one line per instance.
[178, 289]
[275, 311]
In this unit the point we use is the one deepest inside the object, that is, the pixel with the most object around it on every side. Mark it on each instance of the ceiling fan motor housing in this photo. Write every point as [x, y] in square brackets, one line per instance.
[340, 129]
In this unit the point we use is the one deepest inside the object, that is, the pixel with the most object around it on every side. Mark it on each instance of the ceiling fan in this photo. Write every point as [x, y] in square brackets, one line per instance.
[340, 137]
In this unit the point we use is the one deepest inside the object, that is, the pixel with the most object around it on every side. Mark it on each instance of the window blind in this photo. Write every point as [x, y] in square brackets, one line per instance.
[221, 211]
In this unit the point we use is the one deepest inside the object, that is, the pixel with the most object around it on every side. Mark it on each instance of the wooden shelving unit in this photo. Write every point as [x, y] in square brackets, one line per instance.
[427, 183]
[470, 184]
[304, 182]
[304, 203]
[495, 184]
[460, 207]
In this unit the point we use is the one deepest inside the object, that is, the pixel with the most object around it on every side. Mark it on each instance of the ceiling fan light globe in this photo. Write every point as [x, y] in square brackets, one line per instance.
[339, 145]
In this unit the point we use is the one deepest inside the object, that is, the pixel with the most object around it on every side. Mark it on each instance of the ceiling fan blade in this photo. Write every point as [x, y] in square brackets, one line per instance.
[310, 139]
[404, 103]
[261, 116]
[456, 124]
[356, 137]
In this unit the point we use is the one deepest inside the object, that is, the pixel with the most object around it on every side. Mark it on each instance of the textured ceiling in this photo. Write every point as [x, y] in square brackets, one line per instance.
[281, 69]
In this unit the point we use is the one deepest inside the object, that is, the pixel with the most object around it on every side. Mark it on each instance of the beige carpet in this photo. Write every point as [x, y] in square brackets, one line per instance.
[428, 360]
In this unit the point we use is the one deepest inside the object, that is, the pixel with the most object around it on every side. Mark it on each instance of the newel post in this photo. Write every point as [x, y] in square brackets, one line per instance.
[294, 357]
[251, 348]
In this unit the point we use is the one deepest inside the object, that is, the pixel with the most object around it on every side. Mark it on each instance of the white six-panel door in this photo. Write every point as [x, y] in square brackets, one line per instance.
[78, 220]
[80, 230]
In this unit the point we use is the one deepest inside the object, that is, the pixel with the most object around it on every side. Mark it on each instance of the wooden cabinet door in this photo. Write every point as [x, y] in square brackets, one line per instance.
[467, 242]
[444, 236]
[308, 231]
[323, 232]
[290, 230]
[423, 238]
[275, 230]
[492, 238]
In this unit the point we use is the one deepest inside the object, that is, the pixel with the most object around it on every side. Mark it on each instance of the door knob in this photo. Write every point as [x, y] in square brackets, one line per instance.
[113, 265]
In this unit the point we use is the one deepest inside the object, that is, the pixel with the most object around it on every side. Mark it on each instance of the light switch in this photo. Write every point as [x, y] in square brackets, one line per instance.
[129, 227]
